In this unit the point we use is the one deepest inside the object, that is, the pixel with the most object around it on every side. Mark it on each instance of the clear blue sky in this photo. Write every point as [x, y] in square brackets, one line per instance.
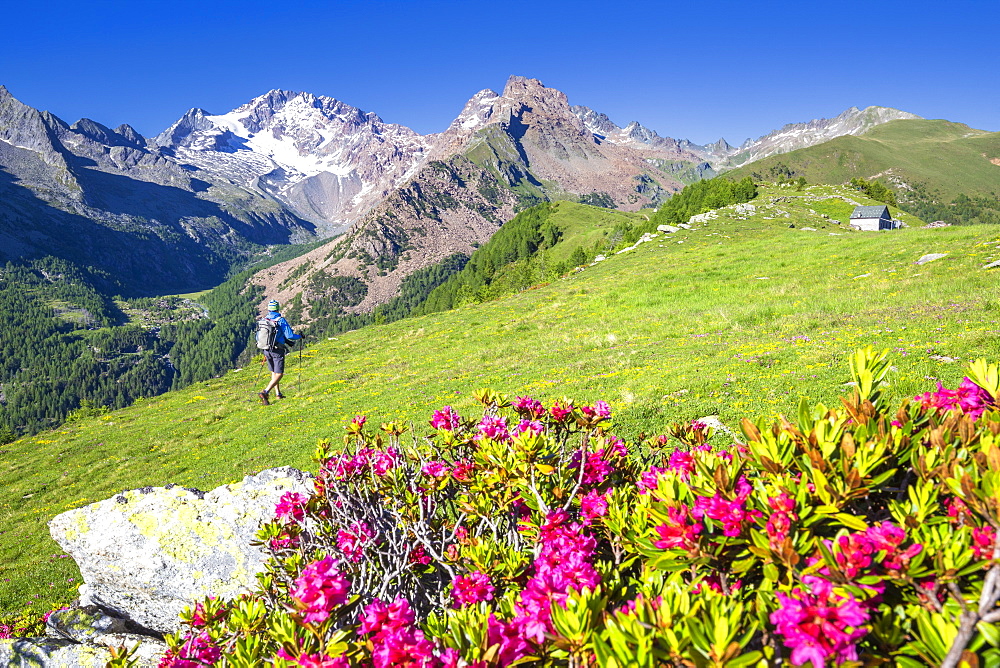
[691, 69]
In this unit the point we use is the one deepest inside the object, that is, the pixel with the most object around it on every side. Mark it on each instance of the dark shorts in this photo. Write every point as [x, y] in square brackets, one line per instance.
[275, 360]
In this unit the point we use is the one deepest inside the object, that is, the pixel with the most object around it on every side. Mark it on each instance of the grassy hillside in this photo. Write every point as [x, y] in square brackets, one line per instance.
[538, 245]
[945, 158]
[589, 227]
[739, 316]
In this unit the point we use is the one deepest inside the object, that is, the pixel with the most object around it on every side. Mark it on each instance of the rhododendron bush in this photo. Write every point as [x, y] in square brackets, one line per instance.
[532, 535]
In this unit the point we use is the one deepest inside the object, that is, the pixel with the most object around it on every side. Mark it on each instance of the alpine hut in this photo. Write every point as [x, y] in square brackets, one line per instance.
[873, 218]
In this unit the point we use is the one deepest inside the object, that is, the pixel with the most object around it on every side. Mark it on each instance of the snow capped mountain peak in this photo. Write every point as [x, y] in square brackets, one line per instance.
[328, 160]
[477, 111]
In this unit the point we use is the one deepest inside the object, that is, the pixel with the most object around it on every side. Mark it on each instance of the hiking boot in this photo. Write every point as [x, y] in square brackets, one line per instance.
[263, 398]
[280, 395]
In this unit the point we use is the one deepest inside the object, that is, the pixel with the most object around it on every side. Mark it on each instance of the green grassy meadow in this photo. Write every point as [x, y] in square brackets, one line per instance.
[740, 316]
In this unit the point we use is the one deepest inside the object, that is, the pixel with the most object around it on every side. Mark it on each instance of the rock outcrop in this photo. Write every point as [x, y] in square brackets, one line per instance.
[79, 638]
[146, 554]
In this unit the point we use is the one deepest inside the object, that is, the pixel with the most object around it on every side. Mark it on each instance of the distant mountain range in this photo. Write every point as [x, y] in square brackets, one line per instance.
[919, 159]
[176, 212]
[109, 199]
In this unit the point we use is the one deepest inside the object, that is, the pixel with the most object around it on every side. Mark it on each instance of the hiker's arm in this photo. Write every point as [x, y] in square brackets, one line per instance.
[286, 329]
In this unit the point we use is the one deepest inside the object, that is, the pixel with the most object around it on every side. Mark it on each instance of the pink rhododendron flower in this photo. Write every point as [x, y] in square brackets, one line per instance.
[319, 590]
[888, 538]
[337, 467]
[396, 642]
[283, 540]
[315, 660]
[462, 470]
[682, 462]
[560, 411]
[384, 461]
[291, 505]
[532, 427]
[351, 541]
[446, 418]
[435, 469]
[780, 521]
[958, 512]
[732, 514]
[418, 555]
[781, 503]
[617, 446]
[778, 526]
[563, 564]
[506, 635]
[599, 411]
[853, 554]
[198, 617]
[818, 624]
[593, 505]
[649, 480]
[472, 588]
[595, 468]
[494, 428]
[857, 554]
[528, 407]
[197, 650]
[359, 421]
[377, 615]
[969, 398]
[379, 462]
[983, 541]
[680, 531]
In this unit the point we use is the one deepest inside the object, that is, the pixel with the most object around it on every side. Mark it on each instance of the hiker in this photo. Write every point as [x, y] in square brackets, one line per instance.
[274, 336]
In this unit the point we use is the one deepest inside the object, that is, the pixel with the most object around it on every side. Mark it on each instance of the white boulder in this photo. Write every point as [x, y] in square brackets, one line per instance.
[147, 554]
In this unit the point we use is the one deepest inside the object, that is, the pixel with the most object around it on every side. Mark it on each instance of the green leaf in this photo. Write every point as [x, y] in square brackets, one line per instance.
[851, 521]
[745, 660]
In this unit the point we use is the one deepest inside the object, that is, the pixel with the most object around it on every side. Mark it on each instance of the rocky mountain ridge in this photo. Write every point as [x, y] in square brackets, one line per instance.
[291, 166]
[503, 152]
[107, 199]
[793, 136]
[721, 155]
